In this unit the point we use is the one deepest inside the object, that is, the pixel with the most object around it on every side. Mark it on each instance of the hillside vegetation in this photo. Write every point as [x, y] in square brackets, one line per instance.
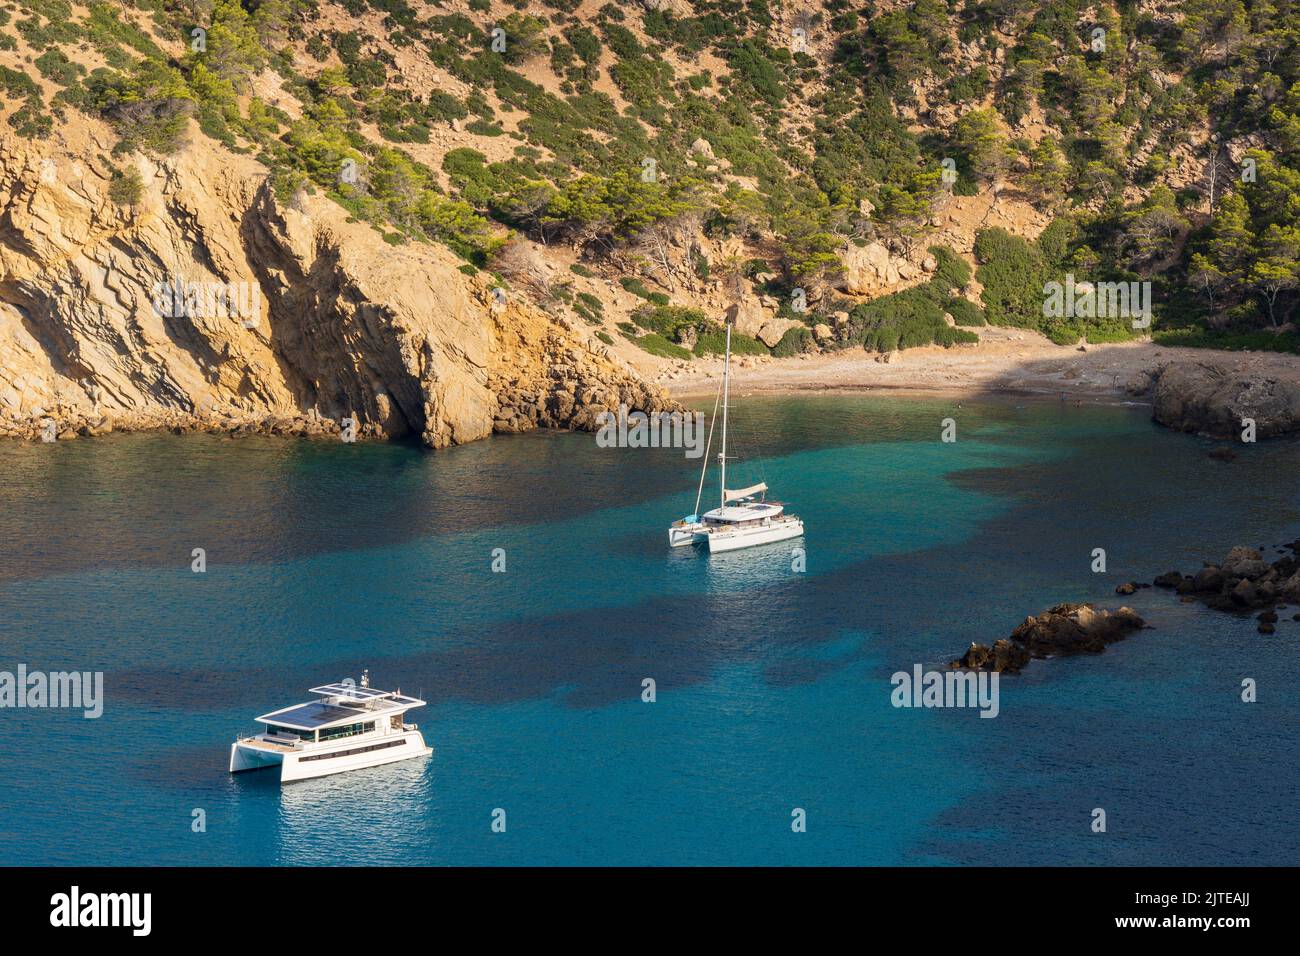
[640, 166]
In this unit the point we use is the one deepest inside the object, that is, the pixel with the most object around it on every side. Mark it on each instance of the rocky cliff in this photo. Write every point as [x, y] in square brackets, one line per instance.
[210, 303]
[1217, 399]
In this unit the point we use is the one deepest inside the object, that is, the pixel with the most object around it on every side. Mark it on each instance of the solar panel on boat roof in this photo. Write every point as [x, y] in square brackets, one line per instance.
[313, 715]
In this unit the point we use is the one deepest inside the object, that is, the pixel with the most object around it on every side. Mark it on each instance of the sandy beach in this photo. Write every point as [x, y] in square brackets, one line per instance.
[1006, 361]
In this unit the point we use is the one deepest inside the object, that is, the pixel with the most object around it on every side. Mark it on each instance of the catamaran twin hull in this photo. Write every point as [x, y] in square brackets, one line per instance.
[733, 539]
[737, 526]
[348, 727]
[683, 533]
[303, 765]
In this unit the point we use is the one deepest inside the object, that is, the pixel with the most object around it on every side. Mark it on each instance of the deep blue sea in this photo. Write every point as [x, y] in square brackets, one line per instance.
[773, 686]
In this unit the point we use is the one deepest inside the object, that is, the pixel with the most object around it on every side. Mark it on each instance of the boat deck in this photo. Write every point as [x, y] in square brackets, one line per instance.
[259, 744]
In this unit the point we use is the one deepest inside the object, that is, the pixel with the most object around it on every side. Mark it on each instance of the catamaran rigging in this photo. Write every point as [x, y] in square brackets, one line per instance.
[731, 526]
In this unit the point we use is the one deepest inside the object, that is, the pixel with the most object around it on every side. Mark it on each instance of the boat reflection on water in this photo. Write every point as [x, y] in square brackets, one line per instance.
[383, 809]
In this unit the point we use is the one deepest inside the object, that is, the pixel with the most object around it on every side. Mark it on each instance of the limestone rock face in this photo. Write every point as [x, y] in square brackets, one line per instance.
[676, 7]
[747, 317]
[214, 304]
[702, 147]
[869, 269]
[772, 330]
[1211, 400]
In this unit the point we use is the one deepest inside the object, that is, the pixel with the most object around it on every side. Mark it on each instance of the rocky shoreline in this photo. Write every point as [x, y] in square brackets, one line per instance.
[572, 399]
[1212, 400]
[214, 304]
[69, 424]
[1243, 582]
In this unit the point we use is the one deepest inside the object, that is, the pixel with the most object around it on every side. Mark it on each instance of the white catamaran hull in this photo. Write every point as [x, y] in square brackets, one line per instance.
[681, 535]
[733, 539]
[349, 754]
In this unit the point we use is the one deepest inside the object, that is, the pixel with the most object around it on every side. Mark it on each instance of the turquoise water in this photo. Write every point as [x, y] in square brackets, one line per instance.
[773, 688]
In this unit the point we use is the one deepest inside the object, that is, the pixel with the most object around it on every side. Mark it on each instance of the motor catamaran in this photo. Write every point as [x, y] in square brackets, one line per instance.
[739, 521]
[350, 726]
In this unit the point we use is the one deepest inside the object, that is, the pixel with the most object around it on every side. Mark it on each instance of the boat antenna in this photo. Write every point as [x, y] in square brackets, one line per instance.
[726, 391]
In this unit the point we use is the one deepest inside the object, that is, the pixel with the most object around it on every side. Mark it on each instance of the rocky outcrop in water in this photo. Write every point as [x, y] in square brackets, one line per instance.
[1060, 630]
[211, 303]
[1242, 583]
[1213, 400]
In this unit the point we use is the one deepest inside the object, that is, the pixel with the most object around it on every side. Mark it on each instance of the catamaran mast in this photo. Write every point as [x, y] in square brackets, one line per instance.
[726, 386]
[708, 447]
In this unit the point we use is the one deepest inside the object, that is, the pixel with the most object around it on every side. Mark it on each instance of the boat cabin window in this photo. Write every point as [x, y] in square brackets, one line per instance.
[347, 730]
[290, 732]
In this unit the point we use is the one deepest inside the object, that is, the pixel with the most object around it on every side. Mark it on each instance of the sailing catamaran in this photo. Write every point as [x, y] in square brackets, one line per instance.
[739, 521]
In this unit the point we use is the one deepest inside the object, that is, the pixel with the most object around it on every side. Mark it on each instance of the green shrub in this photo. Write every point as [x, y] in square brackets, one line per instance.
[669, 320]
[965, 312]
[525, 37]
[126, 187]
[952, 272]
[589, 308]
[149, 106]
[1013, 272]
[106, 31]
[656, 344]
[637, 288]
[793, 342]
[907, 319]
[713, 341]
[753, 66]
[1236, 341]
[483, 128]
[54, 65]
